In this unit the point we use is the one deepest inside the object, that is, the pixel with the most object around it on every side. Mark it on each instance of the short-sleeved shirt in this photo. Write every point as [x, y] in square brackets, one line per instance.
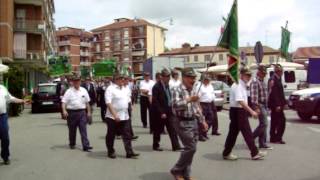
[174, 83]
[119, 99]
[238, 93]
[76, 99]
[5, 98]
[206, 93]
[146, 86]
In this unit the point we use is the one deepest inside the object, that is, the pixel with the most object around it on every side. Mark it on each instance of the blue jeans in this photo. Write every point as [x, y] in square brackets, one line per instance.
[261, 130]
[4, 136]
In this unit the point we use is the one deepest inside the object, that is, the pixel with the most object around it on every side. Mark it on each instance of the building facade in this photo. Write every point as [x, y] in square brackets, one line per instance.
[302, 54]
[129, 41]
[76, 44]
[27, 36]
[200, 56]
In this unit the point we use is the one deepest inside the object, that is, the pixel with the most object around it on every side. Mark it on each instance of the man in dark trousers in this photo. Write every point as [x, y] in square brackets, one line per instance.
[62, 87]
[88, 85]
[161, 105]
[276, 103]
[100, 96]
[145, 99]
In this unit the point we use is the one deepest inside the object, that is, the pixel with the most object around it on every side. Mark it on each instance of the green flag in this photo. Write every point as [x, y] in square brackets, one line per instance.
[229, 40]
[104, 68]
[59, 66]
[285, 41]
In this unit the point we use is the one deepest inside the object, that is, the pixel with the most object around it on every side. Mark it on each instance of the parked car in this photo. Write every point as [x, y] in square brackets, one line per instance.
[306, 102]
[220, 85]
[45, 99]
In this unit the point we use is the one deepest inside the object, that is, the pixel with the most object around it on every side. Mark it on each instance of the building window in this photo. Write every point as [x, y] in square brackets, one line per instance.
[117, 45]
[271, 59]
[125, 33]
[98, 47]
[117, 35]
[187, 59]
[221, 57]
[107, 49]
[195, 58]
[107, 44]
[207, 58]
[126, 42]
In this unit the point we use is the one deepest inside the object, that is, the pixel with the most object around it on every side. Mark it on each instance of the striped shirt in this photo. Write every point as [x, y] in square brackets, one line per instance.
[258, 92]
[182, 108]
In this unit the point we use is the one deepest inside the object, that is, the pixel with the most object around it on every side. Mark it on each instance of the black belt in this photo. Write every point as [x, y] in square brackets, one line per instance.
[186, 118]
[206, 103]
[75, 110]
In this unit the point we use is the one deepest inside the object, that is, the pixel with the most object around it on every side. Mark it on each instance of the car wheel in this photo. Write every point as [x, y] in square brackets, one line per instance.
[304, 116]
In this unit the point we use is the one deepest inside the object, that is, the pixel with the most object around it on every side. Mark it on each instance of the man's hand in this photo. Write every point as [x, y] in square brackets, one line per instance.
[163, 116]
[117, 119]
[204, 126]
[278, 109]
[193, 99]
[89, 116]
[65, 114]
[254, 114]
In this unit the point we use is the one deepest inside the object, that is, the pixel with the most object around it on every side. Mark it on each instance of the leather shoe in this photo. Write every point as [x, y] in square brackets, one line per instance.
[72, 147]
[134, 137]
[216, 134]
[133, 156]
[158, 149]
[112, 155]
[87, 149]
[202, 139]
[177, 149]
[7, 162]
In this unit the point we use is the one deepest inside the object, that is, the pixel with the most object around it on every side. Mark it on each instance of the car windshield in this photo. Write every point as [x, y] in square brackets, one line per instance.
[218, 85]
[47, 89]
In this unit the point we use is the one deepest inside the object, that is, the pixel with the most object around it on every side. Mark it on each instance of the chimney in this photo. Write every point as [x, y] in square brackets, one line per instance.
[197, 45]
[186, 45]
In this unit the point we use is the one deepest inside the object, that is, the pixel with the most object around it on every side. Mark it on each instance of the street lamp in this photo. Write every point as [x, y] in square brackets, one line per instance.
[154, 34]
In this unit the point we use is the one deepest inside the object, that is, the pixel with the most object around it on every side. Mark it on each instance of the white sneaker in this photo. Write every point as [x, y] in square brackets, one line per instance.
[230, 157]
[260, 155]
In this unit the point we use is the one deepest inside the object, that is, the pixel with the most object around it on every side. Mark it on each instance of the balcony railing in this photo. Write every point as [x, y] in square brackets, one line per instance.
[28, 54]
[64, 43]
[64, 53]
[138, 53]
[83, 53]
[85, 44]
[85, 63]
[29, 25]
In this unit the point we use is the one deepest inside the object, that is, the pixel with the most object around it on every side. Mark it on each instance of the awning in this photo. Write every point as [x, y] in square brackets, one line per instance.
[4, 68]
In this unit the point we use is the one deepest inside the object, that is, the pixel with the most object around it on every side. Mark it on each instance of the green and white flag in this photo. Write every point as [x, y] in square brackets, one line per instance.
[229, 40]
[285, 41]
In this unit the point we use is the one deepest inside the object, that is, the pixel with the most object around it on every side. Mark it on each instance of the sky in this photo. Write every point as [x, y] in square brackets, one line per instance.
[199, 21]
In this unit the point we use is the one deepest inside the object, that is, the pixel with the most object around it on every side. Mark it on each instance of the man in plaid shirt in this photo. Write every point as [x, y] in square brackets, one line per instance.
[258, 93]
[187, 112]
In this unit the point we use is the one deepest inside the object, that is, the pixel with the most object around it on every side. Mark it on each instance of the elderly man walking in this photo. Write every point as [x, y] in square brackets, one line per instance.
[76, 109]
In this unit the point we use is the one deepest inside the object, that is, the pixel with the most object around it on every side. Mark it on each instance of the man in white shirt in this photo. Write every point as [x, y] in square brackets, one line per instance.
[207, 96]
[145, 99]
[239, 110]
[174, 82]
[117, 116]
[76, 109]
[5, 98]
[128, 86]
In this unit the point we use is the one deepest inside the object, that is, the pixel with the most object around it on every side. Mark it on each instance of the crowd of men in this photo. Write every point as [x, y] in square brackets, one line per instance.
[181, 106]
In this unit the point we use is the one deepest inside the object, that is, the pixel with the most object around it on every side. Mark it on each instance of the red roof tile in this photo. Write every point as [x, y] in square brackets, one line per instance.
[307, 52]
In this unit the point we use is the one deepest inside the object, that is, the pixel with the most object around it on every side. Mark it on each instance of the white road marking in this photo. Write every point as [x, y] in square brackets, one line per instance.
[314, 129]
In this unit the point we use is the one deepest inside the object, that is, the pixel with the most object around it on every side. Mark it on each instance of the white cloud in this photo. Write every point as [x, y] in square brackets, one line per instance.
[200, 21]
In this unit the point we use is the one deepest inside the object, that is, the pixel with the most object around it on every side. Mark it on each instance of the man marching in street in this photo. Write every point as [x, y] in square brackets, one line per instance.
[117, 117]
[100, 96]
[5, 98]
[277, 103]
[187, 112]
[207, 96]
[76, 109]
[259, 95]
[239, 121]
[174, 81]
[161, 105]
[145, 99]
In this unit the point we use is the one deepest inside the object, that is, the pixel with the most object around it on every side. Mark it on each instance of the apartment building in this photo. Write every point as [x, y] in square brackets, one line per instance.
[27, 36]
[199, 56]
[76, 44]
[129, 41]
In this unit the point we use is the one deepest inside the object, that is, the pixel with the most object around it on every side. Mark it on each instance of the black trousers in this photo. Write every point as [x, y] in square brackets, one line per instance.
[159, 125]
[209, 111]
[124, 127]
[130, 119]
[239, 122]
[278, 125]
[78, 119]
[144, 107]
[4, 137]
[103, 110]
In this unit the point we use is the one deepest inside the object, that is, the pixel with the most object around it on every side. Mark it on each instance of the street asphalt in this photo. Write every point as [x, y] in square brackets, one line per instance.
[39, 151]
